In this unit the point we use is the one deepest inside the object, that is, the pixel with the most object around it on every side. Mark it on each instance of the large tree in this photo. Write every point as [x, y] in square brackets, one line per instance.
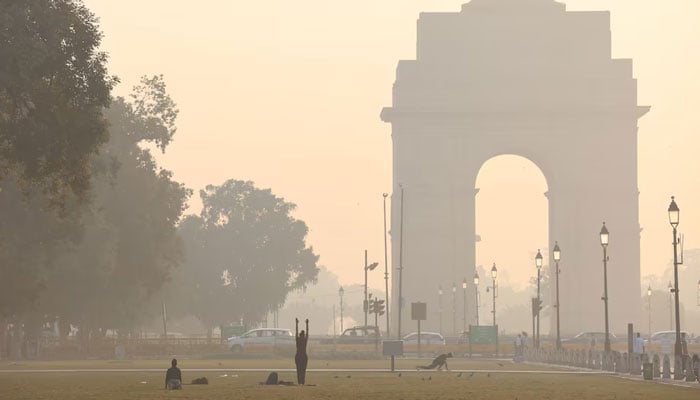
[53, 89]
[131, 243]
[244, 253]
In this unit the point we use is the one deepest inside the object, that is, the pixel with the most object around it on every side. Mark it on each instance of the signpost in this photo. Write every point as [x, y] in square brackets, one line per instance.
[392, 348]
[483, 335]
[419, 312]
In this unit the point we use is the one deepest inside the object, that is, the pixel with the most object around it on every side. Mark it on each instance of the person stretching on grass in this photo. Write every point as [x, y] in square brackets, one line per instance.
[439, 362]
[173, 378]
[301, 359]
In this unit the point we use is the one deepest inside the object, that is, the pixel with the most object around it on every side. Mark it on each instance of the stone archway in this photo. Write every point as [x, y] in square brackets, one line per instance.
[521, 77]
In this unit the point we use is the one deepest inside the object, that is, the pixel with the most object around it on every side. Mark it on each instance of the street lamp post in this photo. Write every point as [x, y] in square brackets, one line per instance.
[699, 292]
[369, 267]
[341, 291]
[649, 307]
[493, 288]
[476, 294]
[464, 292]
[386, 271]
[670, 305]
[674, 219]
[454, 308]
[557, 257]
[440, 305]
[604, 239]
[538, 264]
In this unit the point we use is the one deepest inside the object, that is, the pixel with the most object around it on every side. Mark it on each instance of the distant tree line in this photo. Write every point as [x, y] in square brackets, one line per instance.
[93, 235]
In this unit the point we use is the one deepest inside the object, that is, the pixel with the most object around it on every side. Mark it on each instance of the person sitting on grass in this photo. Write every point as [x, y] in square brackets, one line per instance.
[173, 378]
[439, 362]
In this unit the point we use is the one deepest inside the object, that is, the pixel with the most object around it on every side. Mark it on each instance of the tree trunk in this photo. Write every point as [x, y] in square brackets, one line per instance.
[4, 339]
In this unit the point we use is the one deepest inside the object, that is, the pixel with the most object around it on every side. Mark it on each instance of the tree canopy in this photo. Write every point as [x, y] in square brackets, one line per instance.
[100, 267]
[54, 87]
[244, 253]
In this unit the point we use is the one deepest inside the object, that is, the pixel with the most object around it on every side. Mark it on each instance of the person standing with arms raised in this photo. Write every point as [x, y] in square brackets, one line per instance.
[301, 359]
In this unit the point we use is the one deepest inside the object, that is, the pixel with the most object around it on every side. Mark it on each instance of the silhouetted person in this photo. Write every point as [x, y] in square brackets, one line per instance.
[638, 344]
[173, 378]
[301, 359]
[439, 362]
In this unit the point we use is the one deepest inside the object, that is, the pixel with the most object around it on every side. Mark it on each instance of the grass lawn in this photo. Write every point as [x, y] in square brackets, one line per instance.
[430, 385]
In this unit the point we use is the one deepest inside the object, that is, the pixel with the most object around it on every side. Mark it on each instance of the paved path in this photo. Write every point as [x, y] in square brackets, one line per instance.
[356, 370]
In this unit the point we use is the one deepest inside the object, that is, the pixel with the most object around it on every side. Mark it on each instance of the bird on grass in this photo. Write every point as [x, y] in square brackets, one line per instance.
[488, 375]
[459, 375]
[399, 374]
[472, 374]
[500, 365]
[430, 378]
[348, 376]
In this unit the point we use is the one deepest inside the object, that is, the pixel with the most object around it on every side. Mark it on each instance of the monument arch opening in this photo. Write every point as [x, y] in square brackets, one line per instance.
[511, 217]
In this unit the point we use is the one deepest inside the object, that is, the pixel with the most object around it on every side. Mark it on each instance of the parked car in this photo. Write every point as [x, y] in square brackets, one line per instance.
[426, 338]
[263, 337]
[360, 334]
[588, 339]
[664, 340]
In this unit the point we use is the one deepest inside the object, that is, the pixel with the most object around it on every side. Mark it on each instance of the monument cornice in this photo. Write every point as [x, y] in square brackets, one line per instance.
[391, 114]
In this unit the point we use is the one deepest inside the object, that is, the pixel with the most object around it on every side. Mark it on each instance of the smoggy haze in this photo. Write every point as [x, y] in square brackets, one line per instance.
[288, 94]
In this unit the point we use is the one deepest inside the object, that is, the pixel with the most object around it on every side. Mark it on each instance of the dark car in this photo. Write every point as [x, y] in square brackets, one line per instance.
[360, 334]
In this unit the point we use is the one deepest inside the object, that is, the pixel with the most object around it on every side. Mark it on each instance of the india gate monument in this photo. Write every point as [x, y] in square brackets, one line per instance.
[525, 78]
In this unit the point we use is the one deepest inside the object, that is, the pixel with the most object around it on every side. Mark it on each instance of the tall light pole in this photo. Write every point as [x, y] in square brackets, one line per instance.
[557, 256]
[494, 271]
[464, 292]
[386, 271]
[699, 292]
[476, 294]
[538, 264]
[341, 291]
[649, 307]
[670, 305]
[400, 300]
[674, 219]
[454, 308]
[604, 239]
[440, 305]
[367, 267]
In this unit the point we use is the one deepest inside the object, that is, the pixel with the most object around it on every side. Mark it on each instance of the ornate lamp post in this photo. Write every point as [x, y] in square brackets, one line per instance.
[341, 292]
[649, 307]
[476, 294]
[557, 256]
[494, 271]
[440, 305]
[674, 219]
[464, 292]
[670, 306]
[538, 264]
[604, 239]
[454, 308]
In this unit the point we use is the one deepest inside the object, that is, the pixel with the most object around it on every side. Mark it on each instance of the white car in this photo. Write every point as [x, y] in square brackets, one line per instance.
[426, 339]
[666, 340]
[262, 337]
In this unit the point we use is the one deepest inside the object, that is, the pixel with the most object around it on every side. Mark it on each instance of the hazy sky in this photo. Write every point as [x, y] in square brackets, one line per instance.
[288, 94]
